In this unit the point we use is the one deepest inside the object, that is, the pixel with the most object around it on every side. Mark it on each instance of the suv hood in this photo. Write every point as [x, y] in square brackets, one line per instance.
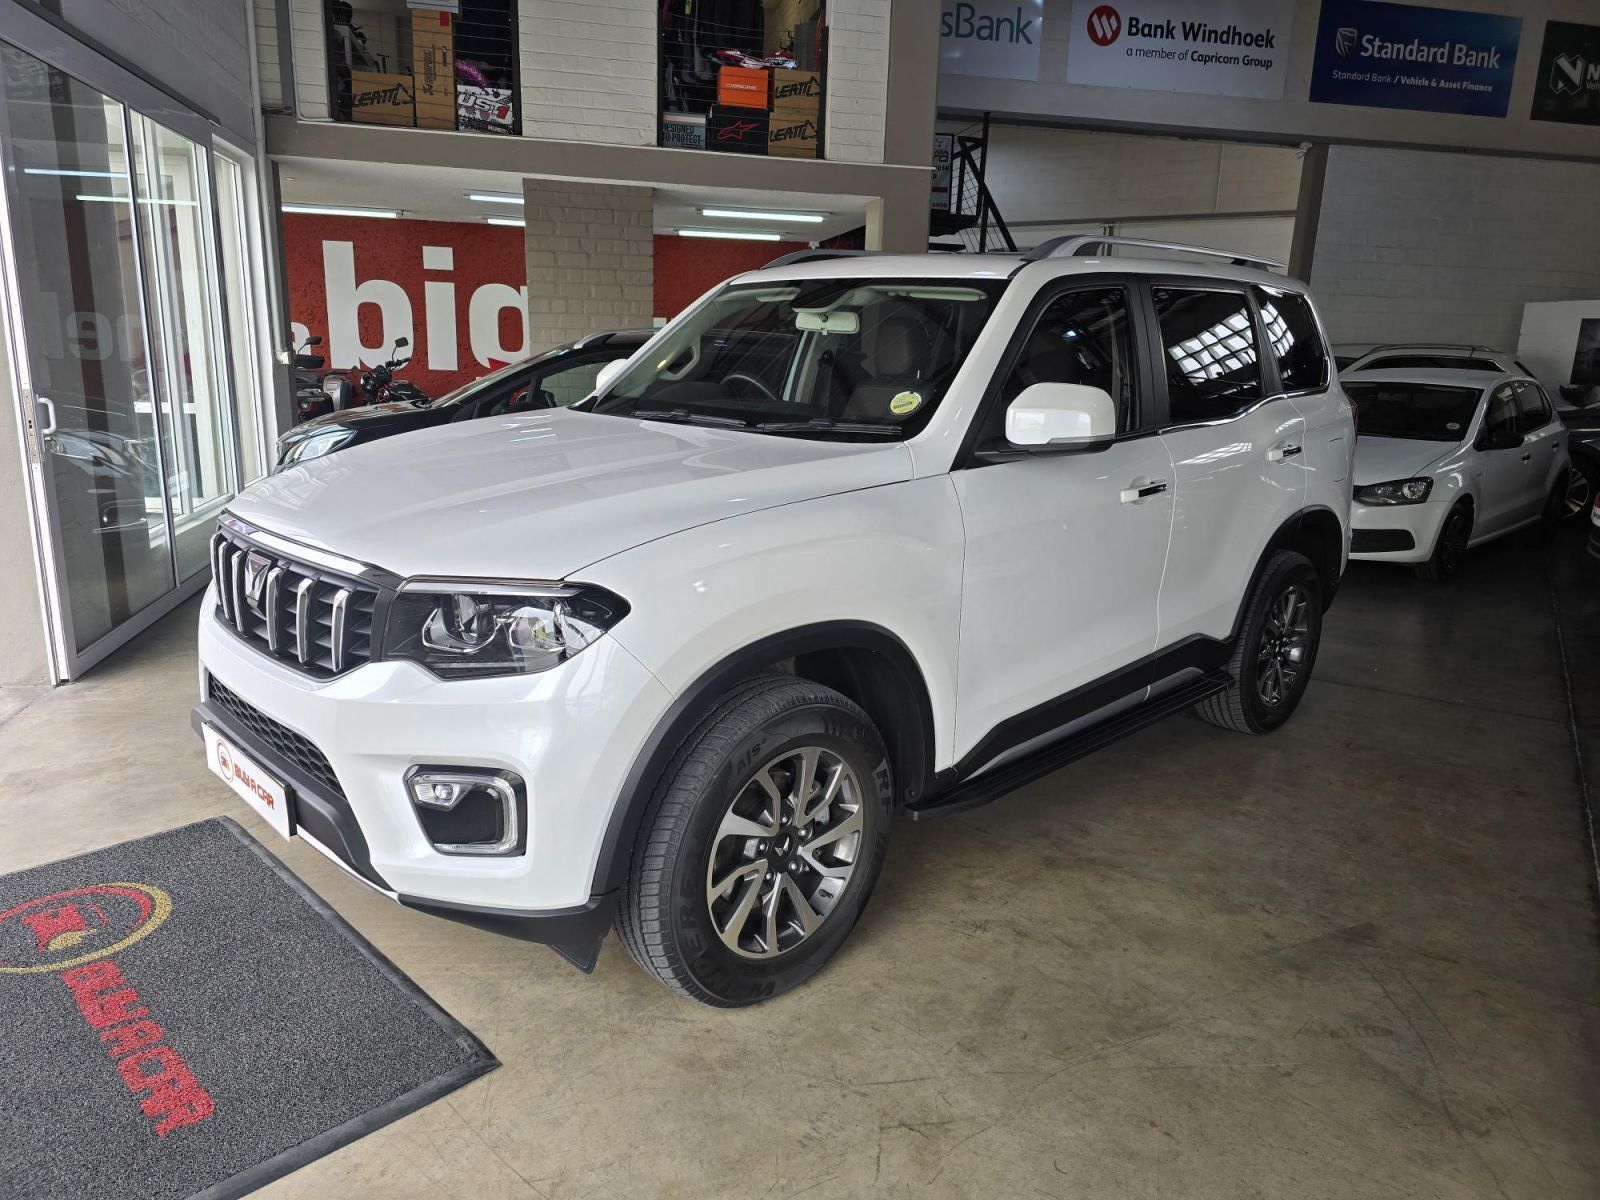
[544, 495]
[1381, 459]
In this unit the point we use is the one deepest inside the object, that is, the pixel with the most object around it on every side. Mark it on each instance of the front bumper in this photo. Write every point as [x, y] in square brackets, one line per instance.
[570, 733]
[1378, 531]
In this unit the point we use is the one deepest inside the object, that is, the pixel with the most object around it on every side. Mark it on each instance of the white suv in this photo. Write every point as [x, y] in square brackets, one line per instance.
[854, 534]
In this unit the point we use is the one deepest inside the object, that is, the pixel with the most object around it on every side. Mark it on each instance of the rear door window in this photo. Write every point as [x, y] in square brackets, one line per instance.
[1296, 340]
[1208, 349]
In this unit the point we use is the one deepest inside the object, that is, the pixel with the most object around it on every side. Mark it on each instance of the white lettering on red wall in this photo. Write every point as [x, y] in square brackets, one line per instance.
[457, 291]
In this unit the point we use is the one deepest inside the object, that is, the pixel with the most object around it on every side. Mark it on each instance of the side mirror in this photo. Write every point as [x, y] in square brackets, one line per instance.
[314, 340]
[400, 343]
[1064, 415]
[607, 374]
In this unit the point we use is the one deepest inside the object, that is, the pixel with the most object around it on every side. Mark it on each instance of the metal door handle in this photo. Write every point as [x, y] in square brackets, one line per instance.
[49, 406]
[1526, 457]
[1279, 453]
[1132, 495]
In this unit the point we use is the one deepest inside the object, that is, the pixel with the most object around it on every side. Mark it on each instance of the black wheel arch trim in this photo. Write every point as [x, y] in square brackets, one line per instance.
[691, 705]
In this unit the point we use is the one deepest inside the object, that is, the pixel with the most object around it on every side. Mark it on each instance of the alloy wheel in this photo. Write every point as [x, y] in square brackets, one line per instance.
[1577, 497]
[1285, 645]
[784, 852]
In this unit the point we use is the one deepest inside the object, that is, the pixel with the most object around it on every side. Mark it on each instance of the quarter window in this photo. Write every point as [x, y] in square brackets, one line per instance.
[1296, 340]
[1081, 337]
[1208, 343]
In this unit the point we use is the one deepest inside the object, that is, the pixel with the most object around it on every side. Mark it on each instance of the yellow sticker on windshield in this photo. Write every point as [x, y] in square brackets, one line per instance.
[905, 402]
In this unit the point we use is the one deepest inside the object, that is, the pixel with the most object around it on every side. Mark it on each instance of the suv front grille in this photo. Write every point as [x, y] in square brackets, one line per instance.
[280, 739]
[315, 621]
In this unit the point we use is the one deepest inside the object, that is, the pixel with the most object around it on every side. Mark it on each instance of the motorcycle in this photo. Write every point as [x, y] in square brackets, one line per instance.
[377, 385]
[310, 400]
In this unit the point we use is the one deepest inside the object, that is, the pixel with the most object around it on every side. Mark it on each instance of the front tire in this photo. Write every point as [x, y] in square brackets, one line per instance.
[762, 844]
[1277, 648]
[1448, 547]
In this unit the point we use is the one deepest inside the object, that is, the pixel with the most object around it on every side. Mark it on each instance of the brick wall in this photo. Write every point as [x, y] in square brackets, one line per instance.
[589, 70]
[589, 256]
[858, 78]
[265, 16]
[306, 23]
[1425, 246]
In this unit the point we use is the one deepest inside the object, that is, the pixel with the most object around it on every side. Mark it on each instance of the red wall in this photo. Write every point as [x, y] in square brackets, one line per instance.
[390, 279]
[687, 268]
[349, 277]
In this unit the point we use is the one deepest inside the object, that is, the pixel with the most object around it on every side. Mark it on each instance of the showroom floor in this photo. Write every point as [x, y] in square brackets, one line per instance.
[1354, 959]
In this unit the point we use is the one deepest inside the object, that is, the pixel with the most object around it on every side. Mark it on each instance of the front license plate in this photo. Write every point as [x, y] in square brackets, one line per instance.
[260, 791]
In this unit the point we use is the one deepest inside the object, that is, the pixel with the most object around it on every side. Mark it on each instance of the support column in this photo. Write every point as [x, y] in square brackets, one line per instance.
[590, 259]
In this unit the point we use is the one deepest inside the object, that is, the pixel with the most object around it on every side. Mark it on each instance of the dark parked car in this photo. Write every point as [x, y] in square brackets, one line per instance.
[554, 379]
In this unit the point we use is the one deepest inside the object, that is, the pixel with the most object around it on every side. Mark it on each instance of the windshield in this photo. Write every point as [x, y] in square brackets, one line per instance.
[841, 357]
[473, 385]
[1427, 412]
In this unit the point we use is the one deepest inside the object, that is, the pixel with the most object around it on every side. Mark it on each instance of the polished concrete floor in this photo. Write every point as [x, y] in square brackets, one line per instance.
[1354, 959]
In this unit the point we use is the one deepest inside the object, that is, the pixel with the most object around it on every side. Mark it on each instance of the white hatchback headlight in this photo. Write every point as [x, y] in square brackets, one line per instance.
[1396, 491]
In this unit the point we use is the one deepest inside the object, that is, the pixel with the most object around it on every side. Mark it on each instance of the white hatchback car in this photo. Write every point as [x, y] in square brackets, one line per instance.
[1448, 459]
[851, 535]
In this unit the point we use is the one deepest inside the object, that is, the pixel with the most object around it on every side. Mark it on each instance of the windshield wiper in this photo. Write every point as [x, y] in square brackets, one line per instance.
[824, 425]
[683, 416]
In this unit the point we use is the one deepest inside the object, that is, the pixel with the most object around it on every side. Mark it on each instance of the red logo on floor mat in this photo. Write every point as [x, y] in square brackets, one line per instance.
[64, 929]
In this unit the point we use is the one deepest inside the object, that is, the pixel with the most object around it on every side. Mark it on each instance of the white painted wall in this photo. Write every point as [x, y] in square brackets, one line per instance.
[1418, 246]
[306, 24]
[857, 79]
[589, 70]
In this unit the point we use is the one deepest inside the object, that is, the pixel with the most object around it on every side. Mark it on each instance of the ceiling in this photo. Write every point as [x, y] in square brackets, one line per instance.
[440, 194]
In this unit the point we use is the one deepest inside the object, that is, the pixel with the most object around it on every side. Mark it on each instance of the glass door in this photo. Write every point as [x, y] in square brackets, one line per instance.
[115, 323]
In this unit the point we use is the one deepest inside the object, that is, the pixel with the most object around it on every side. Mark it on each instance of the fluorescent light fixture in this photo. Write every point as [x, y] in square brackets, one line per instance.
[495, 197]
[333, 210]
[752, 214]
[516, 221]
[74, 172]
[741, 235]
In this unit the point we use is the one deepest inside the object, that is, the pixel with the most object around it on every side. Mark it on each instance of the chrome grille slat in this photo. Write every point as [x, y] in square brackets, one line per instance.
[302, 619]
[340, 599]
[319, 622]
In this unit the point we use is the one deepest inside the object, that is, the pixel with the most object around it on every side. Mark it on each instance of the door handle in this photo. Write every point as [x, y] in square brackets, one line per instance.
[49, 406]
[1279, 453]
[1527, 457]
[1132, 495]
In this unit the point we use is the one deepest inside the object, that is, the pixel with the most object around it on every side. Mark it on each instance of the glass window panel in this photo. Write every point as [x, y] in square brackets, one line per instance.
[192, 389]
[77, 272]
[238, 298]
[1213, 371]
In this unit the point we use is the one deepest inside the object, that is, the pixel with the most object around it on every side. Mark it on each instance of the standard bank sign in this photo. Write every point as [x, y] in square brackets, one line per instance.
[1221, 48]
[998, 38]
[1402, 56]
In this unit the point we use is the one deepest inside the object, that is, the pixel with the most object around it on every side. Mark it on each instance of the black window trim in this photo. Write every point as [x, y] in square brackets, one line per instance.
[1329, 370]
[1050, 290]
[1270, 387]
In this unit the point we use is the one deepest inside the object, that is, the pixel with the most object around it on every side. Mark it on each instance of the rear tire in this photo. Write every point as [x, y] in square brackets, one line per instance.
[1276, 651]
[1448, 547]
[742, 884]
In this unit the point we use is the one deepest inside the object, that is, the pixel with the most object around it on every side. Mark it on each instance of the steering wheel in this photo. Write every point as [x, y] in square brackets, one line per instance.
[758, 384]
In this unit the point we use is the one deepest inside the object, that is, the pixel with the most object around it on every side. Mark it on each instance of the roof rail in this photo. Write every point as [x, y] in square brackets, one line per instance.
[1073, 244]
[816, 254]
[1460, 347]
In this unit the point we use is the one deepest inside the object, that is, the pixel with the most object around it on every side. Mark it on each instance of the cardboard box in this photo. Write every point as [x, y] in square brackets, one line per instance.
[740, 130]
[485, 110]
[793, 135]
[744, 87]
[381, 98]
[683, 131]
[796, 89]
[433, 69]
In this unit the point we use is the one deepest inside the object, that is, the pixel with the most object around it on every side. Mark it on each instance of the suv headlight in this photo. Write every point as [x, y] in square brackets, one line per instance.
[1396, 491]
[468, 630]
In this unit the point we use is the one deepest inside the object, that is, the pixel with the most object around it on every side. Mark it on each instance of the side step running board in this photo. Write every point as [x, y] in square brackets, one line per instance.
[991, 785]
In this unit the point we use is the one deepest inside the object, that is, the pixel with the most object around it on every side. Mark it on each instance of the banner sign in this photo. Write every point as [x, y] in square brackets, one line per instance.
[998, 38]
[1567, 87]
[1383, 55]
[944, 152]
[1238, 48]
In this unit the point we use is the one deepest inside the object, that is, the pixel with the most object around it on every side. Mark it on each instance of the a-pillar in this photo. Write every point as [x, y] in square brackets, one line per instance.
[589, 253]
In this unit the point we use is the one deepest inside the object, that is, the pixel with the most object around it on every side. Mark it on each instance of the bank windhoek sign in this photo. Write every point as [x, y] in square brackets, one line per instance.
[997, 38]
[1225, 48]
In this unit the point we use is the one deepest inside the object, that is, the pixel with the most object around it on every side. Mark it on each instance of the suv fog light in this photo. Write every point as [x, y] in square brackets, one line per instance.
[469, 810]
